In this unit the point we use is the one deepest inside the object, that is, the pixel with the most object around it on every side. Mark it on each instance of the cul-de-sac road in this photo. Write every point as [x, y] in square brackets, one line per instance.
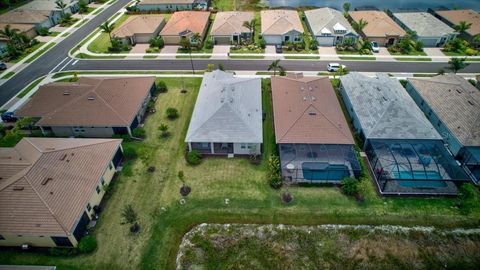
[57, 58]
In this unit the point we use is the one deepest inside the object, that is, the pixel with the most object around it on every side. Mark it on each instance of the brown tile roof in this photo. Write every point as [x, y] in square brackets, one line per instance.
[379, 23]
[456, 102]
[279, 22]
[186, 21]
[306, 110]
[25, 16]
[52, 181]
[466, 15]
[231, 22]
[88, 102]
[141, 24]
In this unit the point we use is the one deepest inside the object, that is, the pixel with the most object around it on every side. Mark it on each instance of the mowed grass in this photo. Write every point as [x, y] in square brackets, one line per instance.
[164, 220]
[102, 42]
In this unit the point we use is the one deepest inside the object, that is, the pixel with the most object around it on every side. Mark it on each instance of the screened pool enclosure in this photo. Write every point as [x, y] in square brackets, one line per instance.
[414, 167]
[318, 163]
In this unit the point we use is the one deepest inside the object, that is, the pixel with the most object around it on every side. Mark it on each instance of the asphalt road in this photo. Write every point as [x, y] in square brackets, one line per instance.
[45, 63]
[57, 58]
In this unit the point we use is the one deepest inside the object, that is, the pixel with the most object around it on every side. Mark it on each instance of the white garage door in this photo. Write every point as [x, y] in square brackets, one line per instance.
[325, 41]
[273, 39]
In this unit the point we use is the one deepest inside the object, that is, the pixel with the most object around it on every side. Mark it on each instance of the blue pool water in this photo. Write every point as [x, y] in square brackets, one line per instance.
[324, 171]
[430, 175]
[380, 4]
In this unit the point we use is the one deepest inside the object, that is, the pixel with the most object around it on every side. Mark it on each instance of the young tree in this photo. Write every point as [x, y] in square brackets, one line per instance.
[107, 27]
[185, 43]
[61, 5]
[275, 65]
[456, 64]
[360, 25]
[82, 6]
[184, 190]
[250, 25]
[346, 9]
[129, 215]
[462, 27]
[163, 130]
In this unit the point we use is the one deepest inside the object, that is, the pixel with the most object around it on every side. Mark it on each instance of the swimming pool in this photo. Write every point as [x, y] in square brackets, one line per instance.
[428, 175]
[316, 171]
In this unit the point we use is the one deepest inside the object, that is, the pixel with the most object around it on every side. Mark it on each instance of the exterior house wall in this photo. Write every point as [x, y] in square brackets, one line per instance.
[452, 143]
[15, 240]
[279, 39]
[97, 196]
[171, 39]
[247, 148]
[95, 132]
[164, 7]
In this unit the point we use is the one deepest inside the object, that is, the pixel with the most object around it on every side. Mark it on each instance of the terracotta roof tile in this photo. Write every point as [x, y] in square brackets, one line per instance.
[279, 22]
[142, 24]
[186, 21]
[466, 15]
[379, 23]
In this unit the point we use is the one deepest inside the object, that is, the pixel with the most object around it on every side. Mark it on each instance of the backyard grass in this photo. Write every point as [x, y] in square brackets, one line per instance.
[164, 220]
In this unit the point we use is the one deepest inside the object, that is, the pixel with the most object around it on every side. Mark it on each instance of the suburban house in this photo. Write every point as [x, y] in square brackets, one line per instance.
[380, 27]
[50, 189]
[313, 137]
[430, 31]
[139, 29]
[71, 6]
[26, 29]
[454, 17]
[172, 5]
[405, 152]
[227, 118]
[90, 107]
[329, 26]
[452, 105]
[279, 26]
[185, 24]
[228, 27]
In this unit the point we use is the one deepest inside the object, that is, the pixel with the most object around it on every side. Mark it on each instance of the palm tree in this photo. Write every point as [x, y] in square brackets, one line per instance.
[107, 27]
[250, 25]
[196, 38]
[61, 5]
[346, 9]
[360, 25]
[457, 64]
[11, 35]
[275, 65]
[462, 27]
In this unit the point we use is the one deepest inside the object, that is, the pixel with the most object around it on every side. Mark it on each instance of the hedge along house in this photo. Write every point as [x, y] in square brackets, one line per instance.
[405, 152]
[329, 27]
[185, 24]
[280, 26]
[452, 105]
[314, 140]
[380, 27]
[50, 188]
[139, 29]
[228, 27]
[90, 107]
[429, 30]
[454, 17]
[227, 118]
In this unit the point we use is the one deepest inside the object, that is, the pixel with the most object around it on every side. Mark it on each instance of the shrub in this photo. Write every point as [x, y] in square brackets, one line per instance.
[162, 87]
[138, 132]
[262, 43]
[156, 42]
[163, 130]
[129, 215]
[129, 152]
[172, 113]
[210, 67]
[274, 176]
[193, 157]
[469, 198]
[350, 186]
[87, 244]
[152, 50]
[471, 51]
[221, 67]
[209, 44]
[43, 31]
[314, 45]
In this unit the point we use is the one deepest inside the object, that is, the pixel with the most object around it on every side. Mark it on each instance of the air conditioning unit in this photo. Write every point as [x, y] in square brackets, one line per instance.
[25, 247]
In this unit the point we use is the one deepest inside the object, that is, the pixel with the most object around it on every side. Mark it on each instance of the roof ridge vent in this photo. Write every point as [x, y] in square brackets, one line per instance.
[18, 188]
[91, 98]
[46, 180]
[66, 93]
[471, 102]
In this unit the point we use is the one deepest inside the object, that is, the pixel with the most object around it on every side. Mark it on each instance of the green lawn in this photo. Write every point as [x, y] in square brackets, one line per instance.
[412, 59]
[367, 58]
[247, 56]
[97, 11]
[8, 75]
[102, 42]
[164, 221]
[186, 56]
[412, 53]
[223, 5]
[302, 57]
[26, 52]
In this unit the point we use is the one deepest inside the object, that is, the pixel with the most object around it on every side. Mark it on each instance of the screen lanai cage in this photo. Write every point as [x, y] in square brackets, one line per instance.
[414, 167]
[471, 162]
[318, 163]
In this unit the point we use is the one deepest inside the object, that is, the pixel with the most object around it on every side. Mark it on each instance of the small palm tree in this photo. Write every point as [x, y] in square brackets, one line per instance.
[346, 9]
[61, 5]
[275, 65]
[8, 32]
[164, 130]
[128, 214]
[107, 27]
[462, 27]
[360, 25]
[456, 64]
[250, 25]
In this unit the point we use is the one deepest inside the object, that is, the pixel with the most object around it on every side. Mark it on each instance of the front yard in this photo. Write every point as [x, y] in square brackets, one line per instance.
[102, 42]
[164, 220]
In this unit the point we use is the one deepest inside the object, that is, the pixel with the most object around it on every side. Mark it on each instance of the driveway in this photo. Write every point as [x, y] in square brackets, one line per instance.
[434, 52]
[220, 52]
[328, 50]
[139, 48]
[270, 49]
[384, 52]
[169, 49]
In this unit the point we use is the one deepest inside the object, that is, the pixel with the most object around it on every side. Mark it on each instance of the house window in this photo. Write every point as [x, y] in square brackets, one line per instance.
[110, 166]
[249, 146]
[98, 189]
[102, 181]
[297, 38]
[243, 146]
[79, 129]
[1, 237]
[89, 207]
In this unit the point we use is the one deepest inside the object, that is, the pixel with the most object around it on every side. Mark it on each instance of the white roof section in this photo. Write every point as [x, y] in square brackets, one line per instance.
[228, 109]
[385, 110]
[327, 18]
[424, 24]
[46, 5]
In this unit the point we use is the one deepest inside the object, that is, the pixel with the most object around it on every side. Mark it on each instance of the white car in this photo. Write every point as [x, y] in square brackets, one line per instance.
[332, 67]
[375, 47]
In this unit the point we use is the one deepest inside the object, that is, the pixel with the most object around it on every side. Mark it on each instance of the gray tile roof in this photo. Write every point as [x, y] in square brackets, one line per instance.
[228, 109]
[325, 19]
[385, 110]
[424, 24]
[456, 102]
